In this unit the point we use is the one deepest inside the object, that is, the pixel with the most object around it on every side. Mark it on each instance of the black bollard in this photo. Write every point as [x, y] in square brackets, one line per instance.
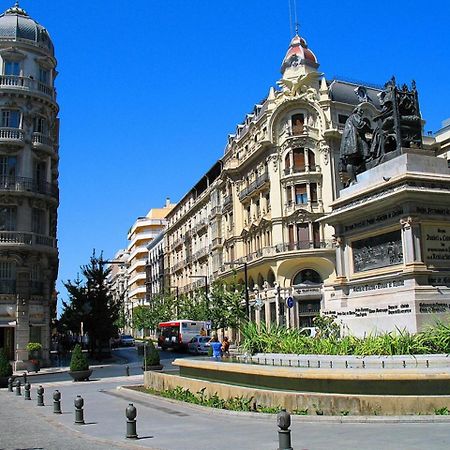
[24, 378]
[284, 434]
[79, 413]
[18, 391]
[127, 371]
[57, 402]
[27, 388]
[131, 414]
[40, 396]
[10, 384]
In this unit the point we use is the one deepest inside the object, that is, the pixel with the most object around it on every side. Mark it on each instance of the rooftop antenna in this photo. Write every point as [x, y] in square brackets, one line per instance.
[293, 20]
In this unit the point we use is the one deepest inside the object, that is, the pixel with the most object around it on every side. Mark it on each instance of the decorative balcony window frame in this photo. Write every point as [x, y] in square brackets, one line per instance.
[6, 118]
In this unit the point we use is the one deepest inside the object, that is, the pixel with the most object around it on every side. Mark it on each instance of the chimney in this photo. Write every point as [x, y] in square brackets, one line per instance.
[167, 202]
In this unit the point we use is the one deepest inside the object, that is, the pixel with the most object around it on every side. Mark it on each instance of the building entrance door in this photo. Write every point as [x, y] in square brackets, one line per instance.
[7, 341]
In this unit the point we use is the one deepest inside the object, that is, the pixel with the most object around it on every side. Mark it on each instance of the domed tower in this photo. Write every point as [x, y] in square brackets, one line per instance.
[29, 129]
[299, 59]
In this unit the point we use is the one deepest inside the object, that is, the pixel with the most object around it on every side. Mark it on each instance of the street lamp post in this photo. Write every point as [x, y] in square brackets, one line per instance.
[247, 299]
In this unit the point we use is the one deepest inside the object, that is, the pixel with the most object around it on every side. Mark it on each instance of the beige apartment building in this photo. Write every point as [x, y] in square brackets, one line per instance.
[257, 208]
[29, 143]
[141, 233]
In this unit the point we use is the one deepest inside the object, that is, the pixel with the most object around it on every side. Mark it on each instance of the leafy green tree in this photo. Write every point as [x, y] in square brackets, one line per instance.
[91, 302]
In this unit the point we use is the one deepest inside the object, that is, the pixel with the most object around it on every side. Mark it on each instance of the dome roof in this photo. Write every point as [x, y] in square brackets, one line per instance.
[298, 53]
[16, 24]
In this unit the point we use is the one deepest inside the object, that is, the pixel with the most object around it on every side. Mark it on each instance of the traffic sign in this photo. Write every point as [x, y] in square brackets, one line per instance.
[290, 302]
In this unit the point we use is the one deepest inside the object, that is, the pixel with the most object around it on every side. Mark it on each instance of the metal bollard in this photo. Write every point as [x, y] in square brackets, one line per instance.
[18, 391]
[284, 434]
[25, 378]
[131, 414]
[27, 388]
[79, 413]
[127, 371]
[40, 396]
[57, 402]
[10, 384]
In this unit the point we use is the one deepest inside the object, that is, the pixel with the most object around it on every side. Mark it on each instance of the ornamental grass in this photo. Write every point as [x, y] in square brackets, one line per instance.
[276, 339]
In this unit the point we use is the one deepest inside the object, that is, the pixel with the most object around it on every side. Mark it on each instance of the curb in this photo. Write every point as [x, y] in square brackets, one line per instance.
[127, 390]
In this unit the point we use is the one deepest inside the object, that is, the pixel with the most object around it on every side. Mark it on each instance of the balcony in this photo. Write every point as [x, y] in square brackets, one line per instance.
[20, 238]
[304, 130]
[314, 168]
[227, 203]
[177, 243]
[253, 186]
[304, 245]
[200, 254]
[22, 184]
[41, 141]
[11, 136]
[179, 265]
[199, 226]
[214, 211]
[27, 85]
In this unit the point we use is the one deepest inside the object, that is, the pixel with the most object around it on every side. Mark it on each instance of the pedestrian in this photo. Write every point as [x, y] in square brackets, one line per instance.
[216, 347]
[225, 346]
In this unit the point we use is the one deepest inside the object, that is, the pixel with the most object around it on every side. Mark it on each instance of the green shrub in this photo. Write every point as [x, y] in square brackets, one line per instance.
[152, 355]
[34, 347]
[5, 366]
[78, 361]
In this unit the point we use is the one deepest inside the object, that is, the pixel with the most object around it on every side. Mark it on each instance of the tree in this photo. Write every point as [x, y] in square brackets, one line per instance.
[91, 303]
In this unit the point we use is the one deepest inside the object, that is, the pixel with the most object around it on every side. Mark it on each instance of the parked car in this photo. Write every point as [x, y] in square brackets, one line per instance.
[126, 340]
[199, 345]
[309, 331]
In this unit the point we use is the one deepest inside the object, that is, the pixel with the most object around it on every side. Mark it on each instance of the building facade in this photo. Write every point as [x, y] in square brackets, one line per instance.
[29, 194]
[155, 266]
[258, 210]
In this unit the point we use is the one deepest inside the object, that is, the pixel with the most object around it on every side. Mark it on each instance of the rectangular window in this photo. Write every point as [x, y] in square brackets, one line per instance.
[40, 125]
[297, 124]
[8, 166]
[299, 159]
[6, 270]
[313, 190]
[342, 118]
[12, 68]
[301, 197]
[7, 218]
[10, 118]
[38, 221]
[44, 76]
[303, 235]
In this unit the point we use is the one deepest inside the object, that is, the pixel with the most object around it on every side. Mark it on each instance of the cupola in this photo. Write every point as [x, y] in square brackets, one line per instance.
[299, 54]
[16, 25]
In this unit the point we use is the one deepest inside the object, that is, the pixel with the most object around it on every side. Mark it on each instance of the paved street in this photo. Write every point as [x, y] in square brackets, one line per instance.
[168, 425]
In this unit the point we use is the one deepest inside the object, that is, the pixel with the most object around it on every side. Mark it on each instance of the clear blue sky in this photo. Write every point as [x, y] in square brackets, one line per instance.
[149, 90]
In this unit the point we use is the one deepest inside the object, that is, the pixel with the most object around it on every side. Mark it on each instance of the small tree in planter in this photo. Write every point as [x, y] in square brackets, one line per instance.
[79, 366]
[5, 369]
[151, 358]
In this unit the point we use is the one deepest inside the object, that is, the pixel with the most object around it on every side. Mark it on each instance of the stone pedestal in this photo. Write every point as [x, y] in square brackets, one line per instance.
[393, 247]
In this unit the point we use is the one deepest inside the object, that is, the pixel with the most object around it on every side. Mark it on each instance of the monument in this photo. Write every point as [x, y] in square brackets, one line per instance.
[391, 220]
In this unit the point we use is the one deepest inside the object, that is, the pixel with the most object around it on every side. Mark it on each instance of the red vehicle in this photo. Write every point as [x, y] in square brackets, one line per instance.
[177, 334]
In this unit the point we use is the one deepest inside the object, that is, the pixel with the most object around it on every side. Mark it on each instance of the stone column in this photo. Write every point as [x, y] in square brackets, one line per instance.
[22, 316]
[340, 257]
[407, 240]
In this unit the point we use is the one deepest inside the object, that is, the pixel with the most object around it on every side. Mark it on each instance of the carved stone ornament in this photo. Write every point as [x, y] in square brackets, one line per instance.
[9, 200]
[407, 223]
[300, 85]
[325, 151]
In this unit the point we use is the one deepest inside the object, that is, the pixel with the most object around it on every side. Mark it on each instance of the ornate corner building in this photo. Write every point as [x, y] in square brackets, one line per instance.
[29, 196]
[257, 212]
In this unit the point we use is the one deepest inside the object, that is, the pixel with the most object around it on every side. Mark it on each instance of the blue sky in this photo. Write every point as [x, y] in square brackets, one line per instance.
[149, 90]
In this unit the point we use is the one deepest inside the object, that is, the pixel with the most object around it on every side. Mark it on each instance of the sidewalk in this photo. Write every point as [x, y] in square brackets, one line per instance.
[169, 425]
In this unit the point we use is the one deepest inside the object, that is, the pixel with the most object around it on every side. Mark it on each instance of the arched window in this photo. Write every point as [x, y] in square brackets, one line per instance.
[260, 281]
[270, 278]
[307, 276]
